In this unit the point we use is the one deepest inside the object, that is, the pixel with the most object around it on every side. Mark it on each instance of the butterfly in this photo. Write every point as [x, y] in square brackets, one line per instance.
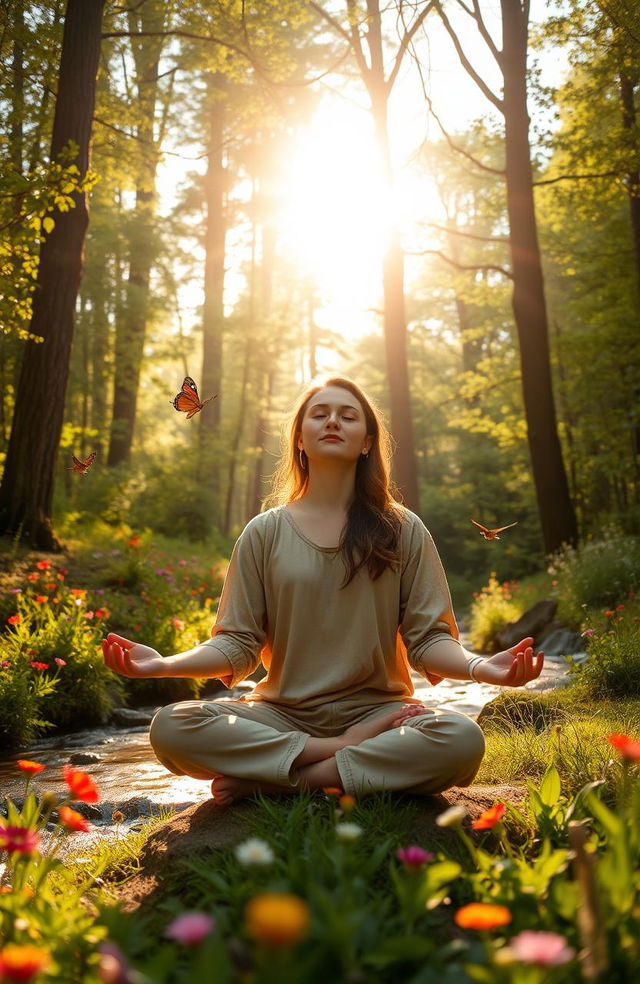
[188, 399]
[492, 534]
[82, 466]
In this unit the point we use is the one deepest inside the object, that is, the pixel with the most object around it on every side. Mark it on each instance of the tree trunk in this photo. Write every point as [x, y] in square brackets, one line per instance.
[395, 326]
[556, 511]
[213, 308]
[26, 493]
[131, 328]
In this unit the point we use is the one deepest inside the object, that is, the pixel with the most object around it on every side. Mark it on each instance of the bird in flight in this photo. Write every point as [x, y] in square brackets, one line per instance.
[492, 534]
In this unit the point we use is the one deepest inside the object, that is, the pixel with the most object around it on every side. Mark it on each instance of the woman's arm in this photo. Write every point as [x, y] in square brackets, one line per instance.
[511, 668]
[132, 659]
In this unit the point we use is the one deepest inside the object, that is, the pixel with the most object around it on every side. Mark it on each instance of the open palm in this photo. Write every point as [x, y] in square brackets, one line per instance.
[131, 659]
[513, 667]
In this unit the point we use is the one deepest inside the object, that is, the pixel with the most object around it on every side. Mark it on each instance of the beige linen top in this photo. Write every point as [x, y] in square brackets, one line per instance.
[282, 603]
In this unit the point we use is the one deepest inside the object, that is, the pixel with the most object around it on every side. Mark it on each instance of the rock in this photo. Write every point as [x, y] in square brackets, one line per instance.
[83, 758]
[561, 642]
[125, 717]
[522, 708]
[88, 811]
[207, 827]
[534, 620]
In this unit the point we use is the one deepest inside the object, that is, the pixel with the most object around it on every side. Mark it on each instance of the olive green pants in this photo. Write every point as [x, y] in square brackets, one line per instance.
[260, 741]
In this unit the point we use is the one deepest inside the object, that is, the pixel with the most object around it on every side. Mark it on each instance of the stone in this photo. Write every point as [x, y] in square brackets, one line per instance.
[522, 709]
[207, 827]
[531, 623]
[125, 717]
[83, 758]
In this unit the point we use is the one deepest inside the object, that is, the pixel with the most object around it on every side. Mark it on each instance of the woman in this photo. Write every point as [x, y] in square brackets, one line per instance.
[339, 591]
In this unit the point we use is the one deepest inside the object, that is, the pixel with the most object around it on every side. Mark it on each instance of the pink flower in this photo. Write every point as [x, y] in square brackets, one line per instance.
[414, 856]
[588, 632]
[190, 927]
[20, 839]
[544, 949]
[60, 662]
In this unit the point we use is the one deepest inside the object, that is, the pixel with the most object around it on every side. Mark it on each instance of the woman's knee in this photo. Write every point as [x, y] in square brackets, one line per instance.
[171, 723]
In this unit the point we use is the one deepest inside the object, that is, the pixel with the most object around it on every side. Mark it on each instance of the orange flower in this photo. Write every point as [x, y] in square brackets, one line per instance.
[333, 791]
[347, 803]
[73, 820]
[31, 767]
[14, 619]
[490, 817]
[482, 915]
[51, 585]
[41, 599]
[78, 592]
[32, 577]
[81, 784]
[43, 565]
[134, 541]
[627, 747]
[21, 963]
[277, 918]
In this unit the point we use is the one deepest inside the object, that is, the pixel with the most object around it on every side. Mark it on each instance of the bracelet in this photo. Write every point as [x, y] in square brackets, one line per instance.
[472, 666]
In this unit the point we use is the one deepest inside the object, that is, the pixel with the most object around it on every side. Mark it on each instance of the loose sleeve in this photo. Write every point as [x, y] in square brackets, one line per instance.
[239, 631]
[426, 611]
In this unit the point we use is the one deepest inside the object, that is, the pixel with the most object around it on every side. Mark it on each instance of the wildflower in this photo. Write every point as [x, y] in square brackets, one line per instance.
[78, 592]
[178, 624]
[51, 585]
[627, 747]
[62, 571]
[348, 831]
[43, 565]
[134, 541]
[414, 857]
[41, 599]
[538, 947]
[190, 928]
[81, 784]
[587, 632]
[482, 915]
[347, 803]
[33, 576]
[31, 767]
[490, 817]
[4, 664]
[451, 817]
[254, 851]
[277, 918]
[619, 608]
[60, 662]
[101, 612]
[112, 967]
[21, 963]
[38, 665]
[20, 839]
[609, 612]
[73, 820]
[14, 619]
[332, 791]
[89, 614]
[16, 590]
[137, 628]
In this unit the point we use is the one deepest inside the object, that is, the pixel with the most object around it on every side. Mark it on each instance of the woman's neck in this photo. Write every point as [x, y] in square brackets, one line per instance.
[330, 490]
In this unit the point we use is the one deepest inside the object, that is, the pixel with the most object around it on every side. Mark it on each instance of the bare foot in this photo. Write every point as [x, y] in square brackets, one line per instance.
[369, 729]
[227, 789]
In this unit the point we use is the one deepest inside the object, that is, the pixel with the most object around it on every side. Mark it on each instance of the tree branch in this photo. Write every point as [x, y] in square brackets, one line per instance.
[466, 64]
[465, 235]
[406, 41]
[488, 267]
[575, 177]
[460, 150]
[482, 27]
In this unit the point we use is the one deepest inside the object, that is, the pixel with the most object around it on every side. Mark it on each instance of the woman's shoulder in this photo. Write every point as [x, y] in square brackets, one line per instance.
[264, 524]
[410, 521]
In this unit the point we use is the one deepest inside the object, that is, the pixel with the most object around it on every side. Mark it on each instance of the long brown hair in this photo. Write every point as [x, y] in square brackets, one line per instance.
[371, 535]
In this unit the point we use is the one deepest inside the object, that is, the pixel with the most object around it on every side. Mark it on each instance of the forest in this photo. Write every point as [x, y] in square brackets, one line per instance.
[255, 194]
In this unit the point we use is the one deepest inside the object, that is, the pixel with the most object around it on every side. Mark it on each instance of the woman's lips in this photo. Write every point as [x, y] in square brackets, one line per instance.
[331, 438]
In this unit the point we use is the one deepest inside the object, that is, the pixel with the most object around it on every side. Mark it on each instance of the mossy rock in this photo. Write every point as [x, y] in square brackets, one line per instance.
[522, 709]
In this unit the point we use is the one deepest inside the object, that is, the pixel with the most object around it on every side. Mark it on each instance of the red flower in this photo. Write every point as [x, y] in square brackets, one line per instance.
[18, 839]
[101, 612]
[134, 541]
[73, 820]
[627, 747]
[43, 565]
[609, 612]
[41, 599]
[32, 577]
[14, 619]
[37, 665]
[81, 784]
[32, 767]
[21, 963]
[490, 817]
[51, 585]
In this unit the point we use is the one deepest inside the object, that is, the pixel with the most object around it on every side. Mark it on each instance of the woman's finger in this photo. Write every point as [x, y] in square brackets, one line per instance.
[126, 643]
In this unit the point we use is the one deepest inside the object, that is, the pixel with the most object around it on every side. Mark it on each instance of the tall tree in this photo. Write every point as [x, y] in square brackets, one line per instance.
[557, 515]
[26, 492]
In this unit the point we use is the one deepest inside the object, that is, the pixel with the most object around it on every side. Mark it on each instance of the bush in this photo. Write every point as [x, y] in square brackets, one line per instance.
[597, 574]
[493, 607]
[612, 667]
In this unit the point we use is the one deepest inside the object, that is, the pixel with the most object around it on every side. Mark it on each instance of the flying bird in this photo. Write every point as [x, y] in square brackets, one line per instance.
[492, 534]
[82, 467]
[188, 400]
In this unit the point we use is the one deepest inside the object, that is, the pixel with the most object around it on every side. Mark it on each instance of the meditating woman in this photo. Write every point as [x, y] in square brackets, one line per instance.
[339, 591]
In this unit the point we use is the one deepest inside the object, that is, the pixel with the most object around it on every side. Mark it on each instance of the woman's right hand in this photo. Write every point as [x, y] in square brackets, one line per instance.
[131, 659]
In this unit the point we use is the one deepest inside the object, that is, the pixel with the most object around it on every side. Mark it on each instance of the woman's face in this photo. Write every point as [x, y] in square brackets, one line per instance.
[334, 426]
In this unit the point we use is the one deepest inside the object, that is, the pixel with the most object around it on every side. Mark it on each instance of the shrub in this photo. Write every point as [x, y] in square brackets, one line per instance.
[612, 667]
[597, 574]
[493, 607]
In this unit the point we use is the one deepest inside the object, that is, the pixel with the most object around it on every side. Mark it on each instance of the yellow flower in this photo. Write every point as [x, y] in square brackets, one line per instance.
[277, 918]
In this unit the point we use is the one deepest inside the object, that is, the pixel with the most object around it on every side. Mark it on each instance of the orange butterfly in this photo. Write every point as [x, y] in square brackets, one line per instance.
[188, 399]
[492, 534]
[82, 466]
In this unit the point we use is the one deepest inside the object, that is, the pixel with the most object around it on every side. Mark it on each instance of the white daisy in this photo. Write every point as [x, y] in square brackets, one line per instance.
[254, 851]
[348, 831]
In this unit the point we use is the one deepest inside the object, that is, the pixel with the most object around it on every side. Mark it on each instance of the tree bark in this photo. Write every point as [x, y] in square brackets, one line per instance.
[131, 328]
[26, 493]
[556, 510]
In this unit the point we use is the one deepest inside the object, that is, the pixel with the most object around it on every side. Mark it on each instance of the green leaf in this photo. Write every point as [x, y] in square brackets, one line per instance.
[550, 786]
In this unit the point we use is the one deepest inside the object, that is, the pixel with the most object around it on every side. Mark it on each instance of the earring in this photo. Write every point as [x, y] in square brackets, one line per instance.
[365, 454]
[303, 464]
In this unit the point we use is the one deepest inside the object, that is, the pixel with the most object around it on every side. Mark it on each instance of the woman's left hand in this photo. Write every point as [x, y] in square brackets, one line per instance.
[512, 668]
